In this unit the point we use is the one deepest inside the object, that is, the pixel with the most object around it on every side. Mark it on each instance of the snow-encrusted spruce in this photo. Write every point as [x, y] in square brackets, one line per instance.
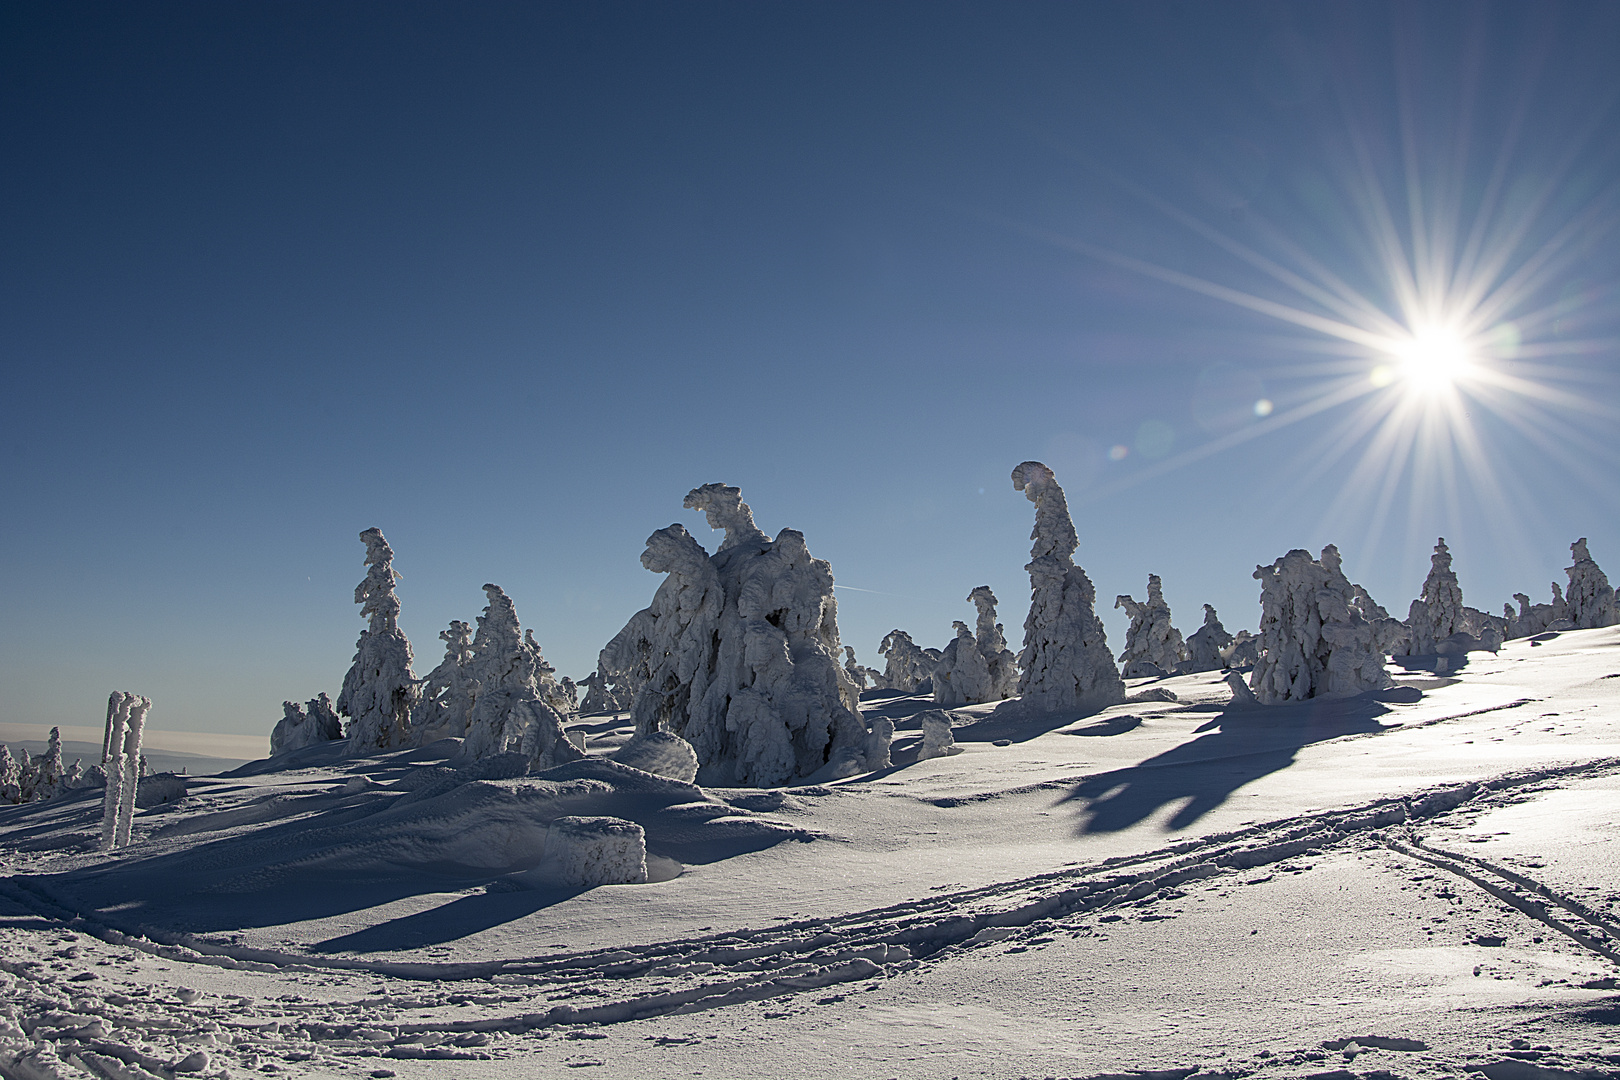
[676, 633]
[1153, 647]
[1591, 597]
[1437, 613]
[775, 705]
[297, 729]
[380, 689]
[977, 666]
[48, 772]
[11, 777]
[858, 673]
[1243, 652]
[1314, 640]
[1066, 663]
[1205, 644]
[1534, 619]
[907, 666]
[510, 712]
[446, 696]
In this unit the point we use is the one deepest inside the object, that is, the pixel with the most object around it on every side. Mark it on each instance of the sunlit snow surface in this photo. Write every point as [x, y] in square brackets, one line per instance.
[1417, 882]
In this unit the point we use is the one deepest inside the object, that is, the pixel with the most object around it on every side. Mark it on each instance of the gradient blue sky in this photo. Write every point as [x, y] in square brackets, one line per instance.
[507, 280]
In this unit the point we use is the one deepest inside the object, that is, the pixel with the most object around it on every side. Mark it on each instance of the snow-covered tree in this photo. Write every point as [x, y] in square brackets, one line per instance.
[1591, 597]
[907, 666]
[509, 710]
[1534, 619]
[1153, 647]
[1437, 613]
[1242, 652]
[1314, 641]
[446, 695]
[297, 729]
[977, 666]
[1205, 645]
[11, 777]
[1066, 663]
[48, 771]
[858, 673]
[380, 689]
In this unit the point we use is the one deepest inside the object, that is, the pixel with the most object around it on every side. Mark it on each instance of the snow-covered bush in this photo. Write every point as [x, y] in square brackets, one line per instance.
[1153, 647]
[380, 689]
[1314, 640]
[510, 712]
[1437, 613]
[446, 697]
[12, 773]
[937, 740]
[907, 666]
[1591, 597]
[1066, 663]
[1205, 645]
[297, 729]
[977, 666]
[591, 851]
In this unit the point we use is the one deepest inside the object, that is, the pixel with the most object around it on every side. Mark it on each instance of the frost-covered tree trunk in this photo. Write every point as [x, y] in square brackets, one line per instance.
[380, 689]
[1066, 663]
[908, 667]
[1205, 645]
[509, 713]
[1591, 597]
[1153, 647]
[113, 795]
[134, 767]
[1314, 641]
[1438, 612]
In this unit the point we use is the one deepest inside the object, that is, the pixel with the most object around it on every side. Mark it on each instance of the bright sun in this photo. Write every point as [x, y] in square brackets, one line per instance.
[1434, 358]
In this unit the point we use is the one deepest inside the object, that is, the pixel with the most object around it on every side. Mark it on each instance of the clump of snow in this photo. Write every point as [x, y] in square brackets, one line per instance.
[937, 740]
[159, 788]
[1591, 597]
[878, 742]
[298, 729]
[446, 697]
[1534, 619]
[977, 666]
[510, 713]
[1066, 663]
[380, 689]
[662, 753]
[591, 851]
[1153, 647]
[1314, 640]
[908, 667]
[1437, 613]
[1205, 645]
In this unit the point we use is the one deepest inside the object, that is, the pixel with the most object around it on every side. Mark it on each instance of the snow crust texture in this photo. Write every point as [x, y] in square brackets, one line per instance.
[585, 852]
[1066, 663]
[1153, 647]
[977, 667]
[1314, 639]
[380, 689]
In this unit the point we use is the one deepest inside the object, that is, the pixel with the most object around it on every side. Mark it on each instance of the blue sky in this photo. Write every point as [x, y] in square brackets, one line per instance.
[507, 281]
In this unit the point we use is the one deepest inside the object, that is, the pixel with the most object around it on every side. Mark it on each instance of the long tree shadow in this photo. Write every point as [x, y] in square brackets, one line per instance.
[1248, 744]
[461, 918]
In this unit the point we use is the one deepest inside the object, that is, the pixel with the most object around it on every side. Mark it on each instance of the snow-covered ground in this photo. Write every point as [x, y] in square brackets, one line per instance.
[1417, 882]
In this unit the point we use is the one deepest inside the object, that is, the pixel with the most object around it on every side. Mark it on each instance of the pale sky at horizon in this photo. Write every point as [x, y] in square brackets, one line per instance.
[506, 281]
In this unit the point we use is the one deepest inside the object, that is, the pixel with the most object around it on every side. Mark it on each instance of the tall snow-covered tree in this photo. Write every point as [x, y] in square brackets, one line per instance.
[1153, 647]
[509, 711]
[1591, 597]
[1205, 645]
[446, 697]
[380, 689]
[1314, 640]
[1437, 613]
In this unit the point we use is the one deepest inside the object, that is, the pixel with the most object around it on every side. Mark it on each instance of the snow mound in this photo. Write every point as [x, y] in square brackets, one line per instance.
[591, 851]
[662, 753]
[937, 740]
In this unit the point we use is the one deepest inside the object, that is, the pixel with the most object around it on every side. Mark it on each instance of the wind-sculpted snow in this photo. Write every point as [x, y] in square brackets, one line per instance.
[907, 666]
[1438, 612]
[1153, 647]
[1314, 640]
[1065, 662]
[1205, 645]
[379, 692]
[1591, 597]
[977, 667]
[510, 712]
[446, 698]
[298, 729]
[662, 753]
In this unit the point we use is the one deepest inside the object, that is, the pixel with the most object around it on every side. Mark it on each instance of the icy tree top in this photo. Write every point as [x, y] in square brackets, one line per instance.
[498, 632]
[986, 629]
[1054, 533]
[723, 505]
[1578, 551]
[376, 593]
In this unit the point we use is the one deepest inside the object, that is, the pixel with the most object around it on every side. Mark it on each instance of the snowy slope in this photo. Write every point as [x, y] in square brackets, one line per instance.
[1428, 871]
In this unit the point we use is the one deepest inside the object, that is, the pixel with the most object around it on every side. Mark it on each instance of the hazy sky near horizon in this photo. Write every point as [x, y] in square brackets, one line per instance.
[506, 281]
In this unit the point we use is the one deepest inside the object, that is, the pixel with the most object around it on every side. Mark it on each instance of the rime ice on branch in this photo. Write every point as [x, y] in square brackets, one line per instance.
[1205, 645]
[1066, 664]
[1437, 613]
[1314, 640]
[1591, 598]
[906, 666]
[1153, 647]
[380, 689]
[977, 667]
[510, 712]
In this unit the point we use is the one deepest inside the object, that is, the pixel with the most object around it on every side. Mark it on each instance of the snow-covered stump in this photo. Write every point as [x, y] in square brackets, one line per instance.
[1066, 663]
[937, 740]
[1153, 647]
[907, 666]
[1591, 598]
[118, 704]
[590, 851]
[1314, 641]
[1437, 613]
[878, 742]
[1205, 645]
[379, 691]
